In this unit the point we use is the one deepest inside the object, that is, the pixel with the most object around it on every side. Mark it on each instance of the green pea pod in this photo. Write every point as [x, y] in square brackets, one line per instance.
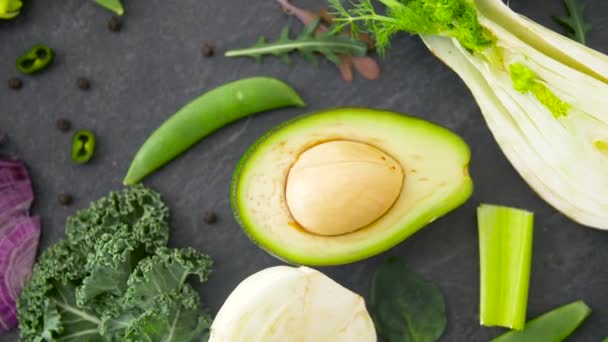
[206, 114]
[36, 59]
[553, 326]
[83, 146]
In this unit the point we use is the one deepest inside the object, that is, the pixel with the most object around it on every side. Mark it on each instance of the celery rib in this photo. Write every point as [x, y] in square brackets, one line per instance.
[505, 247]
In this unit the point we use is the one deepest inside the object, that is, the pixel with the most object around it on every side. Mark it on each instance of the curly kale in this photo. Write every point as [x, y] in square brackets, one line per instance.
[114, 279]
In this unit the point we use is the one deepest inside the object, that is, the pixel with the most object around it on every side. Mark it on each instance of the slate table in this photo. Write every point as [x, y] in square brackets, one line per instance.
[154, 65]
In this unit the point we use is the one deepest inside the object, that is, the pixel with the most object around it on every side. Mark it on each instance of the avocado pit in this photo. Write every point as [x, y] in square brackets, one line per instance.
[340, 186]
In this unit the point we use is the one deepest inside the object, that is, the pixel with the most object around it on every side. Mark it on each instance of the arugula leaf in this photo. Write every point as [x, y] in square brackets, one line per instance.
[405, 307]
[329, 44]
[574, 23]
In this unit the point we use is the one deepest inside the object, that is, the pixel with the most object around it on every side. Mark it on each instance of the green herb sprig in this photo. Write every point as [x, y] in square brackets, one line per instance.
[574, 23]
[329, 44]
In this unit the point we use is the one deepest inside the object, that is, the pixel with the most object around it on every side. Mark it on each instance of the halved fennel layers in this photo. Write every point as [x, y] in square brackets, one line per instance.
[563, 158]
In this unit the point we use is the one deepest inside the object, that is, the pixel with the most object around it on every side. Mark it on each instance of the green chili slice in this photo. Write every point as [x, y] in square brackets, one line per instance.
[553, 326]
[9, 9]
[83, 146]
[36, 59]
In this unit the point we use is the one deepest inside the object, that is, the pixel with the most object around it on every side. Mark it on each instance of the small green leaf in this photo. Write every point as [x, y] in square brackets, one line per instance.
[113, 5]
[574, 23]
[405, 307]
[328, 44]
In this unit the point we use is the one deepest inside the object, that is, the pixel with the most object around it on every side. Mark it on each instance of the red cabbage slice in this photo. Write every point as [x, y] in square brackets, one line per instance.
[19, 235]
[16, 194]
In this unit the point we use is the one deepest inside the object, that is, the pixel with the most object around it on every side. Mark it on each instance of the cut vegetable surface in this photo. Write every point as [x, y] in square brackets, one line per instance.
[206, 114]
[405, 307]
[553, 326]
[9, 9]
[19, 234]
[505, 248]
[284, 303]
[544, 96]
[114, 279]
[341, 185]
[36, 59]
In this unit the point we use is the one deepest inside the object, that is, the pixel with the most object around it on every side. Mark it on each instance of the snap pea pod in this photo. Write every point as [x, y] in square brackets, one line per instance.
[206, 114]
[553, 326]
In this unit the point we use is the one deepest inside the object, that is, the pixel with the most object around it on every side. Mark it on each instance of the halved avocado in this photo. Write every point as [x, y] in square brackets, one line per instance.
[352, 150]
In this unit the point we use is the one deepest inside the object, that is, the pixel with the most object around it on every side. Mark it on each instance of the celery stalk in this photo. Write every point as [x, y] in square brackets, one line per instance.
[505, 247]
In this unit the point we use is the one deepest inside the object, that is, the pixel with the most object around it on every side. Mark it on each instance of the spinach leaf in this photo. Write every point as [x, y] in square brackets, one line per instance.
[405, 307]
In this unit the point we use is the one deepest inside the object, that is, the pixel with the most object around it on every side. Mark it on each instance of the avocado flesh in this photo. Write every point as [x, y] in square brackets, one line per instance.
[434, 159]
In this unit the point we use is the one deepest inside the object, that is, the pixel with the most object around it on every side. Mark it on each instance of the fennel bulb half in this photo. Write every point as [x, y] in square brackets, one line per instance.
[543, 96]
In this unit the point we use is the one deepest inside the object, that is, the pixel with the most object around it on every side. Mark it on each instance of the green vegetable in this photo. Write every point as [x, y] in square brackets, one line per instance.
[404, 306]
[113, 5]
[36, 59]
[505, 248]
[574, 23]
[553, 326]
[206, 114]
[456, 18]
[329, 44]
[9, 9]
[524, 81]
[114, 279]
[83, 146]
[542, 95]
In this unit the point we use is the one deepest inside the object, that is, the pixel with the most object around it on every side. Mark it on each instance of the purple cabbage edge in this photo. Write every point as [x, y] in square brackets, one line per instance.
[19, 234]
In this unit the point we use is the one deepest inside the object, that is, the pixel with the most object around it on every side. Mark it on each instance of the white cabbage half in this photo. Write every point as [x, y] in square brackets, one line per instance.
[283, 303]
[565, 159]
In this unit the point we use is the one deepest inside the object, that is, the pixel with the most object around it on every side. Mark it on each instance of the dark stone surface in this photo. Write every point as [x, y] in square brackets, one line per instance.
[142, 74]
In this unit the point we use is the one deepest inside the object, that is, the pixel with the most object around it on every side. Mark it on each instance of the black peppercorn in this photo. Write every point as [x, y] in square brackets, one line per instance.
[84, 84]
[114, 24]
[63, 125]
[209, 217]
[65, 199]
[207, 50]
[15, 83]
